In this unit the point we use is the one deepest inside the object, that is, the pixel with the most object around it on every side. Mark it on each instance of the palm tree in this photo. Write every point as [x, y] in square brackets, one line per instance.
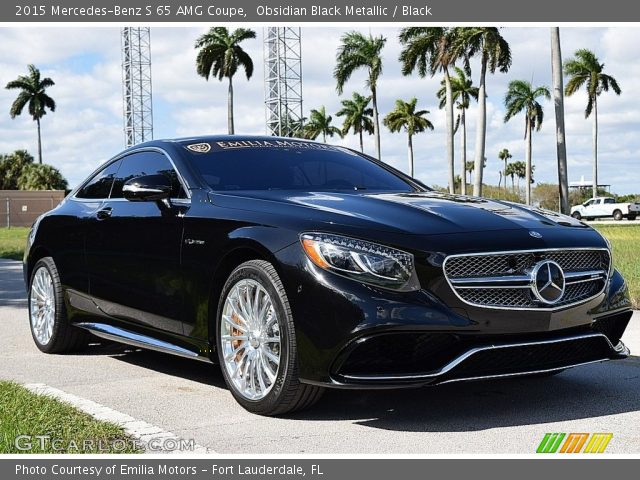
[504, 155]
[521, 96]
[405, 116]
[495, 54]
[220, 56]
[462, 91]
[292, 127]
[11, 167]
[558, 101]
[586, 70]
[33, 92]
[359, 51]
[520, 171]
[357, 115]
[469, 167]
[429, 50]
[510, 171]
[41, 177]
[320, 124]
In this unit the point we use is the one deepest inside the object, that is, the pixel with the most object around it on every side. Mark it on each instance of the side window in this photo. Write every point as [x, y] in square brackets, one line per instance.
[609, 201]
[590, 202]
[147, 163]
[100, 185]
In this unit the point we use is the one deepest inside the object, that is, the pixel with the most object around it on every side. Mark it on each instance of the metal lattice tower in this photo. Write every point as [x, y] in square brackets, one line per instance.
[136, 85]
[283, 80]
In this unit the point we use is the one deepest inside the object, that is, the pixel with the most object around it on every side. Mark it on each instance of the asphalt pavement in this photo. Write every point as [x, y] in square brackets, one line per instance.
[190, 399]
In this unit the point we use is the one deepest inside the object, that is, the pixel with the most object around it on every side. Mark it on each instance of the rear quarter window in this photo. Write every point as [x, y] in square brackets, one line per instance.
[99, 186]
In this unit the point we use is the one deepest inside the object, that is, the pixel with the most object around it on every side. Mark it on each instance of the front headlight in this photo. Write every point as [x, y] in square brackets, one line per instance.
[361, 260]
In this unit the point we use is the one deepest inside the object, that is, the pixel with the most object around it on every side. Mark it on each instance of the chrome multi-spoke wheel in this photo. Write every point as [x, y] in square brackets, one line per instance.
[42, 311]
[256, 342]
[250, 339]
[50, 326]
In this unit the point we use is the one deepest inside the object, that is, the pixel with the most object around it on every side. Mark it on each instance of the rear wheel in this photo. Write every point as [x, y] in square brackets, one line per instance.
[256, 342]
[617, 215]
[50, 327]
[576, 215]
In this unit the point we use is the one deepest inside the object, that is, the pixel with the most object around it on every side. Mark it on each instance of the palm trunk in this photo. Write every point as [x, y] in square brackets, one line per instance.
[449, 120]
[324, 137]
[361, 143]
[410, 148]
[513, 184]
[230, 108]
[504, 174]
[39, 142]
[463, 153]
[595, 147]
[528, 167]
[376, 125]
[558, 100]
[481, 128]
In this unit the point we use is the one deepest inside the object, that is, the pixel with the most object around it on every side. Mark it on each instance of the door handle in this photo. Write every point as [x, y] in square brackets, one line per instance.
[104, 213]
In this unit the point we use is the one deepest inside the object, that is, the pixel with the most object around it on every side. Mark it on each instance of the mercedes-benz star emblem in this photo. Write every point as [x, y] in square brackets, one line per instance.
[547, 281]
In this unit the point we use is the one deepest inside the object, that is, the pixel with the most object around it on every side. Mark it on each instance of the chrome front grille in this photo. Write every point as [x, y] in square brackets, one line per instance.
[505, 279]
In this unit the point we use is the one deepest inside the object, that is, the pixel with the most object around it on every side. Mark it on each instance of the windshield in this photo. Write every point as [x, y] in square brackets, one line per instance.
[290, 165]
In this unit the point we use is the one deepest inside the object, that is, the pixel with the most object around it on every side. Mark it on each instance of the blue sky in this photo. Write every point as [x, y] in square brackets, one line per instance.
[86, 129]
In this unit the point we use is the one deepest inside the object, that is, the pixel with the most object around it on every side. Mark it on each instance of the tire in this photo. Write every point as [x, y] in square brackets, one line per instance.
[617, 215]
[576, 215]
[631, 217]
[255, 380]
[50, 328]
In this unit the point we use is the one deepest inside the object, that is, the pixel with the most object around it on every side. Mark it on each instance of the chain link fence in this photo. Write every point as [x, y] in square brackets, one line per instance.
[19, 208]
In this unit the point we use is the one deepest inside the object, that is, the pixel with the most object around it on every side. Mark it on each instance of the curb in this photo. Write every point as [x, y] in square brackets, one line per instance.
[152, 438]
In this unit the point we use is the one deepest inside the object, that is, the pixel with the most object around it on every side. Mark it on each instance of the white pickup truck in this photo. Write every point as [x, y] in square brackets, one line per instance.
[600, 207]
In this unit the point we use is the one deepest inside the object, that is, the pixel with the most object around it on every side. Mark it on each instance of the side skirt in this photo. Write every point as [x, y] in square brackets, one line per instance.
[128, 337]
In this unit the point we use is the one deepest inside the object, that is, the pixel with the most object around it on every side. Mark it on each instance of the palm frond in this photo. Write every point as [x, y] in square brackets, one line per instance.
[220, 53]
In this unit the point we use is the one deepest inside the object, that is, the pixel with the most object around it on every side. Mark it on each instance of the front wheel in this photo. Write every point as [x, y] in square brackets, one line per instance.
[631, 217]
[50, 327]
[256, 342]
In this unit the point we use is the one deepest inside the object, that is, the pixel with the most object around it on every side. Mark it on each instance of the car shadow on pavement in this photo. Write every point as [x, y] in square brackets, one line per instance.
[590, 391]
[200, 372]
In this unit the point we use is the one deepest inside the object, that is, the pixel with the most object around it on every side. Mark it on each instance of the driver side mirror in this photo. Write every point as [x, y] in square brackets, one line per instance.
[147, 188]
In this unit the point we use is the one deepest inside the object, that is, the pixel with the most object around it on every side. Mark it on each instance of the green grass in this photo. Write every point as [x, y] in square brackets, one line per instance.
[12, 242]
[25, 413]
[625, 241]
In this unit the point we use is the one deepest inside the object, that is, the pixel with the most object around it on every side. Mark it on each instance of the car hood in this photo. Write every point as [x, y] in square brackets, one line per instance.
[415, 213]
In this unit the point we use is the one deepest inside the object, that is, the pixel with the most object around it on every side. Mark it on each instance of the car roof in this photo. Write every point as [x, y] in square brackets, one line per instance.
[221, 138]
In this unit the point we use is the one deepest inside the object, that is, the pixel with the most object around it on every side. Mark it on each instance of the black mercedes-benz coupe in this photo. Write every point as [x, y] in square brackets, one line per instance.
[298, 265]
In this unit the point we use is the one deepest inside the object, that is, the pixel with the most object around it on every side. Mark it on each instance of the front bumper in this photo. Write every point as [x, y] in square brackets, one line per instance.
[497, 360]
[350, 335]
